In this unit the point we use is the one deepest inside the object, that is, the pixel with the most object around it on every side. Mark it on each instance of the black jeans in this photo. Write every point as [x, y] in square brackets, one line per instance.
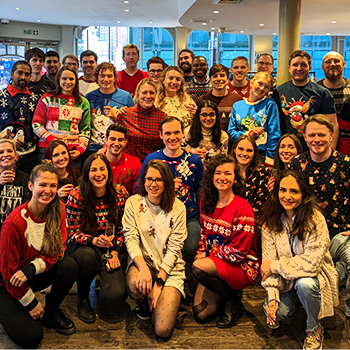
[16, 320]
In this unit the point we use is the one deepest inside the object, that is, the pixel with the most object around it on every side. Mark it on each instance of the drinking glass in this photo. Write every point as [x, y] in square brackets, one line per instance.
[273, 306]
[110, 228]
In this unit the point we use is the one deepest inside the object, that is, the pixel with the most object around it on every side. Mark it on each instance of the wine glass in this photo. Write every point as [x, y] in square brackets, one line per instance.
[110, 228]
[273, 306]
[178, 176]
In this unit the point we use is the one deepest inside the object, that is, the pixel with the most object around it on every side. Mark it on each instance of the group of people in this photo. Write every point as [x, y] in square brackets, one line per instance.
[151, 179]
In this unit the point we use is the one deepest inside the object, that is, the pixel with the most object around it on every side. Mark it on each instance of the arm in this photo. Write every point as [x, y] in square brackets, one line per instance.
[84, 126]
[202, 246]
[333, 118]
[233, 130]
[136, 172]
[256, 183]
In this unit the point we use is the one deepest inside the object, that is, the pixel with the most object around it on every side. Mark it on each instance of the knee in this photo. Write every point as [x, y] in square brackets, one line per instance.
[198, 273]
[307, 286]
[87, 257]
[163, 331]
[30, 338]
[68, 267]
[112, 298]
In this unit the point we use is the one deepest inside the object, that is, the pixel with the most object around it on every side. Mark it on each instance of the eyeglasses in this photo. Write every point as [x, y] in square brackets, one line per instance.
[267, 64]
[157, 180]
[154, 71]
[211, 115]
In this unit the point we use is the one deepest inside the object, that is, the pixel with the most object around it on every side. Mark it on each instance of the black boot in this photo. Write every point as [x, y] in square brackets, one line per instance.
[85, 311]
[231, 310]
[56, 318]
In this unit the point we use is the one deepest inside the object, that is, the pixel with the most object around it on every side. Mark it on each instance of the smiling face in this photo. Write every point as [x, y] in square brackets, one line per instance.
[21, 77]
[207, 117]
[98, 174]
[146, 96]
[131, 57]
[224, 177]
[67, 82]
[60, 157]
[172, 83]
[265, 64]
[219, 81]
[116, 142]
[318, 138]
[7, 156]
[289, 194]
[105, 81]
[185, 62]
[239, 70]
[154, 185]
[37, 64]
[71, 63]
[43, 189]
[155, 71]
[172, 135]
[244, 152]
[287, 150]
[333, 65]
[52, 65]
[299, 70]
[259, 89]
[200, 67]
[88, 64]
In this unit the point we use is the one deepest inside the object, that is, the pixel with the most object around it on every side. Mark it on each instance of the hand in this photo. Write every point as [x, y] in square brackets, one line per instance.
[144, 281]
[103, 241]
[37, 311]
[153, 297]
[123, 109]
[113, 263]
[200, 255]
[102, 150]
[256, 131]
[271, 184]
[265, 269]
[65, 190]
[191, 108]
[19, 144]
[18, 279]
[201, 153]
[177, 183]
[271, 310]
[74, 154]
[7, 176]
[110, 112]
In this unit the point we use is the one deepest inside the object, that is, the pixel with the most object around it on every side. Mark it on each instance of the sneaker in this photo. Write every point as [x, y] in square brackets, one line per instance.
[314, 339]
[58, 320]
[142, 309]
[347, 327]
[85, 311]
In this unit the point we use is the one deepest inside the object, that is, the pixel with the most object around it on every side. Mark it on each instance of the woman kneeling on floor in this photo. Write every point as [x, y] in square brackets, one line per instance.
[227, 259]
[154, 226]
[296, 259]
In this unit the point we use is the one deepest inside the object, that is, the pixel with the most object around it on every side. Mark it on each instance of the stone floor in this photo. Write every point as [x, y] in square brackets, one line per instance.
[126, 331]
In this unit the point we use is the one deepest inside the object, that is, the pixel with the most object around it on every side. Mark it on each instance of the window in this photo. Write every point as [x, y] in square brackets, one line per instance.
[231, 46]
[347, 57]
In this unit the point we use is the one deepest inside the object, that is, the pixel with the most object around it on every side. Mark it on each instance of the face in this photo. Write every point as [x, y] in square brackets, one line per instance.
[244, 152]
[333, 65]
[200, 67]
[106, 79]
[131, 57]
[239, 70]
[172, 135]
[299, 70]
[185, 62]
[20, 77]
[44, 188]
[207, 117]
[155, 71]
[153, 188]
[260, 88]
[289, 194]
[60, 157]
[287, 150]
[318, 138]
[224, 177]
[116, 142]
[219, 80]
[265, 64]
[71, 63]
[88, 64]
[37, 64]
[98, 174]
[67, 82]
[52, 65]
[7, 156]
[147, 95]
[172, 82]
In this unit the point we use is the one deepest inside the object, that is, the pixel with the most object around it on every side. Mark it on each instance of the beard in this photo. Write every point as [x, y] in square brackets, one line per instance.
[186, 68]
[333, 75]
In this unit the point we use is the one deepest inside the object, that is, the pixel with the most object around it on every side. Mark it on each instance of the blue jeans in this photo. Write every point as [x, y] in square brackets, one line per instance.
[190, 247]
[307, 289]
[340, 252]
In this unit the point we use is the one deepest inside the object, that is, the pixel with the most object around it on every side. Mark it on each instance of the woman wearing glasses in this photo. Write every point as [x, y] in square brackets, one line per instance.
[154, 225]
[205, 137]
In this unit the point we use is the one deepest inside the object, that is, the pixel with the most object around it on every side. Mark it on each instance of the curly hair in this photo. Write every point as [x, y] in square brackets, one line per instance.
[208, 192]
[271, 211]
[104, 66]
[277, 163]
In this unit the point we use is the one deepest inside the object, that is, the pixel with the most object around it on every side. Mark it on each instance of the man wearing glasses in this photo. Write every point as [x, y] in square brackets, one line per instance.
[71, 61]
[155, 68]
[264, 63]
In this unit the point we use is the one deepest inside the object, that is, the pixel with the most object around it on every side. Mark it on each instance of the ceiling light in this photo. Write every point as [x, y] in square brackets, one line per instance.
[118, 22]
[38, 20]
[274, 33]
[17, 8]
[150, 22]
[216, 11]
[126, 1]
[261, 24]
[204, 24]
[212, 28]
[126, 10]
[328, 33]
[241, 31]
[334, 22]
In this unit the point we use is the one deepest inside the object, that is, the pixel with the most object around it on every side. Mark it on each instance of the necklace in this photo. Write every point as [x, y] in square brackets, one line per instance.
[221, 204]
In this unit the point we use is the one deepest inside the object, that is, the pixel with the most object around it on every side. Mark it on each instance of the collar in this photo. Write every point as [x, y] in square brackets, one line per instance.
[255, 102]
[130, 74]
[141, 110]
[206, 132]
[205, 82]
[87, 81]
[13, 91]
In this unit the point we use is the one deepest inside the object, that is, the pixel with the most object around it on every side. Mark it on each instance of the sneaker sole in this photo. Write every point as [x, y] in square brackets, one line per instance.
[143, 318]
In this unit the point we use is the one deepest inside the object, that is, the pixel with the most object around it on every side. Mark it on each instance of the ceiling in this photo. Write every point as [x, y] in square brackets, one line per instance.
[316, 15]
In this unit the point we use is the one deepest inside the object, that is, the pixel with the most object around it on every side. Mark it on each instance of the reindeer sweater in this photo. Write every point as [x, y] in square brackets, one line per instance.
[21, 241]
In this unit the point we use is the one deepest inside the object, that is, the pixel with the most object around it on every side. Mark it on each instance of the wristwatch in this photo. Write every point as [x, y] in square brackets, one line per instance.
[160, 282]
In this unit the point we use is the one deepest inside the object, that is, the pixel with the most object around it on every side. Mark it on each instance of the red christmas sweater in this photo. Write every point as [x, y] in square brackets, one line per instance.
[21, 240]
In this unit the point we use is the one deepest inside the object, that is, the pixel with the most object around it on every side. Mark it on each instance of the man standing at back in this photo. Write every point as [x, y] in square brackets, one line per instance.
[300, 98]
[155, 68]
[71, 61]
[185, 61]
[88, 63]
[129, 77]
[333, 65]
[264, 63]
[239, 69]
[52, 65]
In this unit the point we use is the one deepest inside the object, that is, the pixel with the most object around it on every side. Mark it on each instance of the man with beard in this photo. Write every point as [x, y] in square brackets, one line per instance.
[88, 63]
[17, 104]
[239, 69]
[185, 60]
[52, 65]
[333, 65]
[200, 85]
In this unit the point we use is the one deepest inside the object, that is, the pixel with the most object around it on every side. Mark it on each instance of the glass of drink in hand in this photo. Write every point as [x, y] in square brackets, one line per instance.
[272, 307]
[110, 228]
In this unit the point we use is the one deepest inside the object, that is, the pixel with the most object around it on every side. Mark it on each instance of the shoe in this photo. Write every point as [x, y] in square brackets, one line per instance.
[85, 311]
[142, 309]
[58, 320]
[347, 327]
[230, 313]
[314, 339]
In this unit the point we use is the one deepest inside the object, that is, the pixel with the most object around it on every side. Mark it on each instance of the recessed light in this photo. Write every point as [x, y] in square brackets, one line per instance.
[216, 11]
[17, 8]
[274, 33]
[38, 20]
[126, 10]
[212, 28]
[334, 22]
[126, 1]
[328, 33]
[204, 24]
[118, 22]
[150, 22]
[241, 31]
[261, 24]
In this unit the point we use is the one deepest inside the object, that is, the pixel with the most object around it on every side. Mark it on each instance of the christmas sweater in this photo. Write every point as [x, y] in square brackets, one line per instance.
[62, 118]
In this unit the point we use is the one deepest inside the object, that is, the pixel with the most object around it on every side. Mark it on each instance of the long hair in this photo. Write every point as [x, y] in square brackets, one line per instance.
[195, 134]
[208, 192]
[272, 209]
[253, 165]
[278, 164]
[48, 155]
[52, 241]
[160, 99]
[89, 195]
[168, 196]
[58, 90]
